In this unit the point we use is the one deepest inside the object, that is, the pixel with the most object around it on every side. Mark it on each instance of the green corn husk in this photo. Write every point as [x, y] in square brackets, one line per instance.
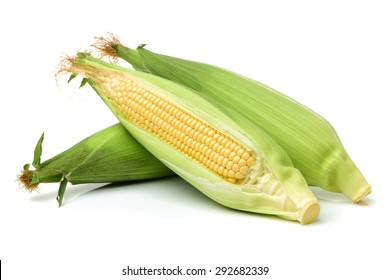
[108, 156]
[271, 186]
[310, 141]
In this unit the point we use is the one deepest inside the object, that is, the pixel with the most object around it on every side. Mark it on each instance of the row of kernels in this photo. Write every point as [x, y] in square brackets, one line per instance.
[197, 145]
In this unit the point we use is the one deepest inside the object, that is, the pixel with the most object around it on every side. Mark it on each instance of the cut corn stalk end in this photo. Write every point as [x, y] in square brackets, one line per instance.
[309, 212]
[347, 177]
[365, 191]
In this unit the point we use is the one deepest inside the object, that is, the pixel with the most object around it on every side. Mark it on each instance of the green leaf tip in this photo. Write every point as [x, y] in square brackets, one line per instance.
[26, 167]
[71, 77]
[61, 190]
[38, 152]
[141, 46]
[84, 82]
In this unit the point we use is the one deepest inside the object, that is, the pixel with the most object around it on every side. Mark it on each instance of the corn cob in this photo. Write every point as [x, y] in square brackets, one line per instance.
[309, 140]
[232, 162]
[110, 155]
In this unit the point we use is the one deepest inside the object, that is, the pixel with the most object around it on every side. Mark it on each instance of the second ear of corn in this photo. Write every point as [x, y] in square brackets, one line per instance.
[108, 156]
[215, 149]
[309, 140]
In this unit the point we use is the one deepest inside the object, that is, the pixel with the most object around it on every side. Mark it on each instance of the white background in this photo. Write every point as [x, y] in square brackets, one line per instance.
[332, 56]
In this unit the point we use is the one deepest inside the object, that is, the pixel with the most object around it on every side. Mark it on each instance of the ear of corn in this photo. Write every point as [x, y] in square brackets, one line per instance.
[309, 140]
[110, 155]
[232, 162]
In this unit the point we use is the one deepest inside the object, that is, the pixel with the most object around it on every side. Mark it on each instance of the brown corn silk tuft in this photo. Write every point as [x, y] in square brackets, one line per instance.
[24, 178]
[103, 47]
